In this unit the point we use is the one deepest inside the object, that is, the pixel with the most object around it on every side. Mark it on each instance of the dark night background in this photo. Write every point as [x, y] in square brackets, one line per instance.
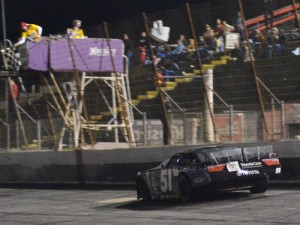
[56, 15]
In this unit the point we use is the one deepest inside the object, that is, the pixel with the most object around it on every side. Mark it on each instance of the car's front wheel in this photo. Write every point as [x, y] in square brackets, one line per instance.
[261, 186]
[143, 190]
[185, 189]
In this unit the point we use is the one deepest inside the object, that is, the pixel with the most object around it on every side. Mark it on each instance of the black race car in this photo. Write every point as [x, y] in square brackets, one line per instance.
[201, 170]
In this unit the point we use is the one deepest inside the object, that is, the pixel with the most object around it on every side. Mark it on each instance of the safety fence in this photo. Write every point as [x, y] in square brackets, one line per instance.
[187, 128]
[232, 77]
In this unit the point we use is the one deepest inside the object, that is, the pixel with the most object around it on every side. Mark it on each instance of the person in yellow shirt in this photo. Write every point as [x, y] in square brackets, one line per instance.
[30, 32]
[75, 32]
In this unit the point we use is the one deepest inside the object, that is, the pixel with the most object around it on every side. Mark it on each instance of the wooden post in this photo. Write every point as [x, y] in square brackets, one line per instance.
[123, 111]
[158, 85]
[255, 76]
[206, 90]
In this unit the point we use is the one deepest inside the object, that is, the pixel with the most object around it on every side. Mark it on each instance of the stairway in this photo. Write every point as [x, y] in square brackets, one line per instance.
[146, 96]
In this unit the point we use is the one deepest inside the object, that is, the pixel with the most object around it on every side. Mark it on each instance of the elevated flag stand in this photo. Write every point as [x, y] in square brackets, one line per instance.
[84, 61]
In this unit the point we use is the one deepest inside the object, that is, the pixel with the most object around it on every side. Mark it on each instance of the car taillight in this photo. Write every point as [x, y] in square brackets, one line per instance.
[271, 162]
[216, 168]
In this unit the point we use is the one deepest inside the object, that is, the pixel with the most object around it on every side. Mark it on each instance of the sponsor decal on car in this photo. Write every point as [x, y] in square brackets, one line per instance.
[278, 170]
[166, 177]
[233, 166]
[251, 164]
[247, 172]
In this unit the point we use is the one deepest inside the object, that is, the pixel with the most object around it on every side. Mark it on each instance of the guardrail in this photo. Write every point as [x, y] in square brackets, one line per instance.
[281, 16]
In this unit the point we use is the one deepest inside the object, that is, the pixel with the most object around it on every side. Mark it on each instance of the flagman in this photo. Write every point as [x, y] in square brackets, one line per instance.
[75, 32]
[30, 32]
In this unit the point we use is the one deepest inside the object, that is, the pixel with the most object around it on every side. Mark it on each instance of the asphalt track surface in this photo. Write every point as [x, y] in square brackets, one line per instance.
[93, 206]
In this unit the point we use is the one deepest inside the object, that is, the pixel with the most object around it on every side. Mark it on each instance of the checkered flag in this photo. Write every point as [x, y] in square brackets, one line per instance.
[12, 58]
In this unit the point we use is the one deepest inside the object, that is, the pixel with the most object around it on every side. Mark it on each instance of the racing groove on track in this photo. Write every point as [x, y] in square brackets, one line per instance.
[218, 199]
[90, 207]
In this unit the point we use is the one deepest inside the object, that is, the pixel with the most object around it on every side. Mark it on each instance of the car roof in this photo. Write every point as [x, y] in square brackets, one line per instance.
[202, 148]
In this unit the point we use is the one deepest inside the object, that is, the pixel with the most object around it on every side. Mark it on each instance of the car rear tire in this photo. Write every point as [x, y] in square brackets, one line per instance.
[143, 189]
[261, 186]
[185, 189]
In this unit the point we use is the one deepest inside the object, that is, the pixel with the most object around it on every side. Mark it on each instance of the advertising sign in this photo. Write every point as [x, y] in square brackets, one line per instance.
[232, 40]
[87, 55]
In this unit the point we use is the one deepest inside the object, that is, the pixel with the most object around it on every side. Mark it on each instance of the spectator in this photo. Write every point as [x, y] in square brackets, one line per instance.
[219, 36]
[162, 50]
[143, 48]
[247, 53]
[274, 46]
[30, 32]
[259, 42]
[179, 48]
[75, 32]
[209, 36]
[219, 28]
[183, 40]
[282, 40]
[128, 48]
[159, 80]
[202, 48]
[239, 26]
[237, 55]
[13, 95]
[269, 16]
[220, 44]
[190, 48]
[259, 38]
[227, 28]
[168, 68]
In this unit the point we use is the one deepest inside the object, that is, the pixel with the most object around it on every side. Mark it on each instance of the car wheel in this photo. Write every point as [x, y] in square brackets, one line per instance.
[261, 186]
[143, 190]
[185, 189]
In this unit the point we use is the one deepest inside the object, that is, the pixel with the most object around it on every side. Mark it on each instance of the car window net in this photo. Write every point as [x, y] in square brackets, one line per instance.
[220, 156]
[257, 153]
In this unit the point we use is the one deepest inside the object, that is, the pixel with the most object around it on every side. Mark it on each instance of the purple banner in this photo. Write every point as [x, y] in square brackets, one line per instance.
[37, 56]
[89, 55]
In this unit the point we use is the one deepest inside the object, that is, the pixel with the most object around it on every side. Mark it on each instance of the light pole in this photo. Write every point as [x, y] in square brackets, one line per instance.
[3, 23]
[6, 80]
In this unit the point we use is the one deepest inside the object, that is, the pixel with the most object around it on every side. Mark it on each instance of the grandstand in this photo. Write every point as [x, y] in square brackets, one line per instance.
[248, 100]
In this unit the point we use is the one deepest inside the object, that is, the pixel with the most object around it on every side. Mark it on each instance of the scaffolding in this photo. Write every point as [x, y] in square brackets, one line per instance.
[86, 61]
[76, 117]
[75, 113]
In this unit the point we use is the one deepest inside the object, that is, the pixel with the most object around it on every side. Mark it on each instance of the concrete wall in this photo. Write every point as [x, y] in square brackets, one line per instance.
[118, 166]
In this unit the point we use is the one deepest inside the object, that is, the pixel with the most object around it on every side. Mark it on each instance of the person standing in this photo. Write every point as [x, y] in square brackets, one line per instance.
[227, 28]
[30, 32]
[219, 30]
[143, 48]
[219, 36]
[239, 26]
[247, 53]
[128, 48]
[75, 32]
[269, 7]
[209, 37]
[13, 94]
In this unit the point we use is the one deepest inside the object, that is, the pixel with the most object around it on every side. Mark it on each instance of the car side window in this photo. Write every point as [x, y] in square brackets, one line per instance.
[204, 159]
[163, 164]
[187, 160]
[173, 161]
